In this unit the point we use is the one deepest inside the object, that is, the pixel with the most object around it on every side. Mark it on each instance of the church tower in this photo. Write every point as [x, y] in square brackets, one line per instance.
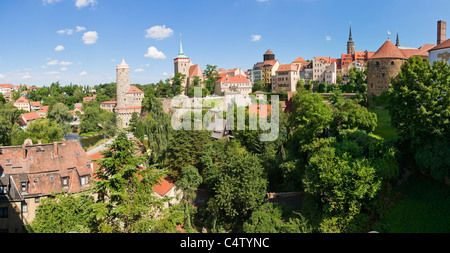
[182, 65]
[350, 43]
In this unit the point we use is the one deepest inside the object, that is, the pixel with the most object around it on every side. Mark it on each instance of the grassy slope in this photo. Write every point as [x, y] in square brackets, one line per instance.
[384, 128]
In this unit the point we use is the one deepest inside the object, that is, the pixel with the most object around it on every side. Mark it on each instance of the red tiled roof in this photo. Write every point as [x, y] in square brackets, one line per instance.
[323, 59]
[85, 99]
[31, 116]
[133, 89]
[268, 52]
[195, 70]
[225, 78]
[128, 107]
[109, 102]
[388, 50]
[261, 110]
[299, 59]
[35, 103]
[44, 109]
[269, 62]
[22, 100]
[288, 67]
[444, 44]
[163, 186]
[7, 86]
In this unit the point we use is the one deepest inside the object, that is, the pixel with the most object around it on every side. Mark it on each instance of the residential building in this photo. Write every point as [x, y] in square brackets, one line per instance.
[440, 52]
[228, 83]
[29, 117]
[8, 88]
[31, 172]
[108, 105]
[35, 106]
[255, 74]
[286, 78]
[269, 66]
[43, 111]
[23, 104]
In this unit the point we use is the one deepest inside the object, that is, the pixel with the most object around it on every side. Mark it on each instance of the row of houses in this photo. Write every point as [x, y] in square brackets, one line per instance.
[31, 172]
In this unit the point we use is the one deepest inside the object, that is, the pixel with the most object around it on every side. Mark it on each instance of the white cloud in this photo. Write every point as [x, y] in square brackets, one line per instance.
[256, 37]
[2, 76]
[328, 37]
[51, 73]
[54, 62]
[26, 76]
[80, 28]
[65, 31]
[158, 32]
[152, 52]
[90, 37]
[59, 48]
[261, 1]
[45, 2]
[139, 70]
[63, 69]
[165, 74]
[83, 73]
[66, 63]
[83, 3]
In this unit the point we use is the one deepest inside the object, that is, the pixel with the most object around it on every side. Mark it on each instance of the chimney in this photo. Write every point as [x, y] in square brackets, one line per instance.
[39, 142]
[55, 148]
[441, 31]
[24, 152]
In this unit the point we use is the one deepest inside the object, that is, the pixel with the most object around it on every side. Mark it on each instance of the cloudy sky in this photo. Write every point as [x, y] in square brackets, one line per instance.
[81, 41]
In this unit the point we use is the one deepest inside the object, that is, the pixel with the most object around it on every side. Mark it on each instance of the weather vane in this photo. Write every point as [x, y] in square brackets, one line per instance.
[388, 32]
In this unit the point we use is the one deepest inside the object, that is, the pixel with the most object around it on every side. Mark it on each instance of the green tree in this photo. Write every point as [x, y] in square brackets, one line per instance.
[237, 180]
[211, 77]
[9, 115]
[64, 213]
[258, 86]
[44, 130]
[184, 149]
[419, 105]
[61, 115]
[177, 82]
[126, 202]
[189, 181]
[349, 114]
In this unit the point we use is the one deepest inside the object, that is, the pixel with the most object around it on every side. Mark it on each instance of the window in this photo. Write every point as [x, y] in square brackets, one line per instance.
[65, 181]
[377, 64]
[23, 186]
[84, 180]
[3, 189]
[3, 212]
[392, 62]
[24, 207]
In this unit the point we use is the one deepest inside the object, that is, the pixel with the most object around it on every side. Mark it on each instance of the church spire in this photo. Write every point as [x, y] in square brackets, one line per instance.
[181, 54]
[350, 36]
[397, 42]
[350, 43]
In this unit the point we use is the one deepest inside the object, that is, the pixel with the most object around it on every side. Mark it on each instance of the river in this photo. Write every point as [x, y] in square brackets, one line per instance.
[85, 142]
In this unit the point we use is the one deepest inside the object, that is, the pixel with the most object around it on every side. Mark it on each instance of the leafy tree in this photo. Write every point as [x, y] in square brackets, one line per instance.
[9, 115]
[44, 130]
[258, 86]
[2, 99]
[63, 213]
[211, 77]
[126, 202]
[237, 180]
[61, 115]
[419, 105]
[189, 181]
[184, 149]
[310, 118]
[177, 82]
[349, 114]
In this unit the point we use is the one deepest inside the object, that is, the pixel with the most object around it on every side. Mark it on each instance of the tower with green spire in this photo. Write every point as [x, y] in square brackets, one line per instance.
[350, 43]
[182, 63]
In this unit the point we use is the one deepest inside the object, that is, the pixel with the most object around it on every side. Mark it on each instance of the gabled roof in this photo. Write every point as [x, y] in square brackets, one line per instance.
[388, 50]
[109, 102]
[195, 70]
[36, 103]
[269, 63]
[299, 59]
[288, 67]
[323, 59]
[31, 116]
[22, 100]
[133, 89]
[445, 44]
[226, 78]
[44, 109]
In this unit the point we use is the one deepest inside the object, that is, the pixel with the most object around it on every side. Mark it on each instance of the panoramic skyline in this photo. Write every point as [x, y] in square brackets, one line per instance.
[82, 41]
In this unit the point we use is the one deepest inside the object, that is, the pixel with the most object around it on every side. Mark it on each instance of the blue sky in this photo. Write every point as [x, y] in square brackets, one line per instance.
[81, 41]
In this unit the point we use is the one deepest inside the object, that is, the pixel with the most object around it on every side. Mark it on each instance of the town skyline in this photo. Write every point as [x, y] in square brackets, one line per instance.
[80, 41]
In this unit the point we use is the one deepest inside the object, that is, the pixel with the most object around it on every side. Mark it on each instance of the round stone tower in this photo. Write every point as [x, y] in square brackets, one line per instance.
[122, 83]
[383, 65]
[269, 56]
